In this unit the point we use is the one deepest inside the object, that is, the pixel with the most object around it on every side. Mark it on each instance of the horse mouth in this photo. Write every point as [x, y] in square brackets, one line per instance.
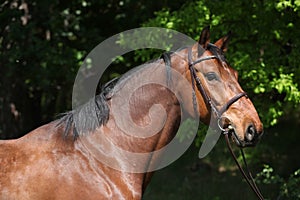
[249, 140]
[242, 143]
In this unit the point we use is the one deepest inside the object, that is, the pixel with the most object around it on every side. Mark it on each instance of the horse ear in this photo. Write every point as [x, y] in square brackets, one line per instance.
[223, 42]
[204, 37]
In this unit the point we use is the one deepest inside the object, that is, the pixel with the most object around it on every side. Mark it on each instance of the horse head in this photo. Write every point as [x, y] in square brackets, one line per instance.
[217, 90]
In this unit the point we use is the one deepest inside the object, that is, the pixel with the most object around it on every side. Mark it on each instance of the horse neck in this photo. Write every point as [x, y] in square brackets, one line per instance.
[144, 117]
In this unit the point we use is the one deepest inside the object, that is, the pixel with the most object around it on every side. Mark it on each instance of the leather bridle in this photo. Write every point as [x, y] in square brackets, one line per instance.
[225, 130]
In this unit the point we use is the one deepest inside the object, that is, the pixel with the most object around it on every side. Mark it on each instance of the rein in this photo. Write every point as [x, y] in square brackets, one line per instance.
[218, 113]
[249, 179]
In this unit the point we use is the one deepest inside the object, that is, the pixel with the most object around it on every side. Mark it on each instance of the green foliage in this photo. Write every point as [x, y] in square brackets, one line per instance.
[289, 189]
[266, 176]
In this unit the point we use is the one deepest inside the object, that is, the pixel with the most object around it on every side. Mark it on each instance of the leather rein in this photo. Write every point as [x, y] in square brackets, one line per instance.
[225, 131]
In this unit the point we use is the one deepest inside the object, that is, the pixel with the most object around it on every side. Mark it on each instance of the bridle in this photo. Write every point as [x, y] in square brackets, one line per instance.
[218, 112]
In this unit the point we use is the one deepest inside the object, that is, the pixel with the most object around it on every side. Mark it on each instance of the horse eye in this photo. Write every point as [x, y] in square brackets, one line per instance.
[211, 76]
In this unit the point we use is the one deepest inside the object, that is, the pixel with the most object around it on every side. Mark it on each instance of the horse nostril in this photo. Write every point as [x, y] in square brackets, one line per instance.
[250, 133]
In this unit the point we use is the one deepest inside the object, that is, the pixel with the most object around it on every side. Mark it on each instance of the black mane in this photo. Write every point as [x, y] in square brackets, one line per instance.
[90, 115]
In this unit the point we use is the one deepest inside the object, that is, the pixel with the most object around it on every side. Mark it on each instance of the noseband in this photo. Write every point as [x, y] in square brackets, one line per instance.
[228, 130]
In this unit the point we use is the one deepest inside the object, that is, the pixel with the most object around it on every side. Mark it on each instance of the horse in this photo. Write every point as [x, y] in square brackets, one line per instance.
[60, 160]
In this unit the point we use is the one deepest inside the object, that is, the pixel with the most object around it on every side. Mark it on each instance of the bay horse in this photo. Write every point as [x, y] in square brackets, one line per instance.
[59, 160]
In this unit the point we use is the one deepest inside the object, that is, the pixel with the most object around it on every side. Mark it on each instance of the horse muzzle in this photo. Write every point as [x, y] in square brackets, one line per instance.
[251, 136]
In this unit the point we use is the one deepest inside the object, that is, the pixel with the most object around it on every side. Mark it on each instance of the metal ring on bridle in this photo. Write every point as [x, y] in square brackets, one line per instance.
[220, 124]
